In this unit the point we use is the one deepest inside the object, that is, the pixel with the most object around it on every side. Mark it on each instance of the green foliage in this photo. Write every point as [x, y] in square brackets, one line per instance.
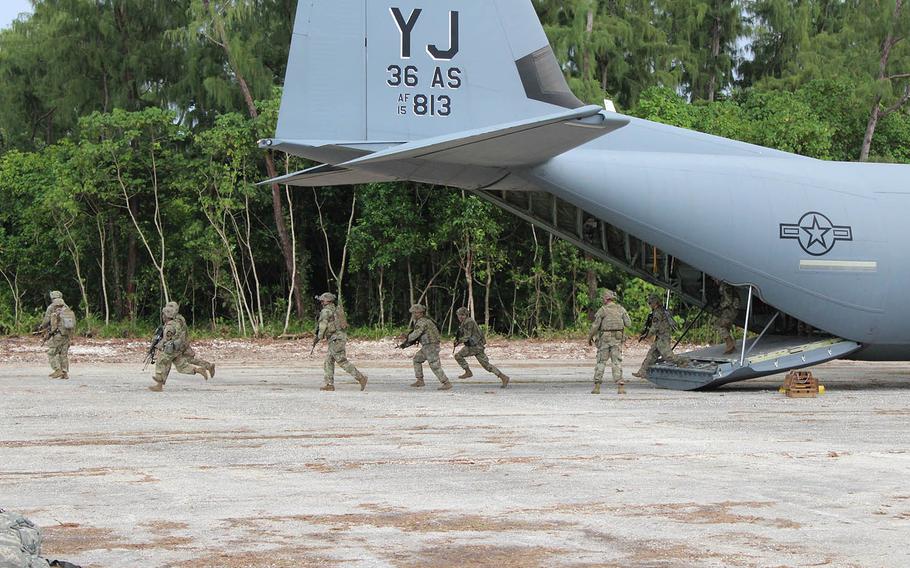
[128, 164]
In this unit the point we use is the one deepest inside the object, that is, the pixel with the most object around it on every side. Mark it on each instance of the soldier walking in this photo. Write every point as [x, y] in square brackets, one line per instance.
[175, 350]
[472, 337]
[609, 326]
[660, 328]
[426, 333]
[728, 309]
[60, 323]
[332, 327]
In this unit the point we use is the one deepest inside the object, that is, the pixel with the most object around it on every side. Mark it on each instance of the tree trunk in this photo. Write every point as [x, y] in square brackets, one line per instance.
[75, 254]
[870, 129]
[715, 55]
[102, 241]
[117, 273]
[410, 282]
[132, 261]
[381, 298]
[586, 60]
[486, 294]
[469, 275]
[293, 288]
[17, 297]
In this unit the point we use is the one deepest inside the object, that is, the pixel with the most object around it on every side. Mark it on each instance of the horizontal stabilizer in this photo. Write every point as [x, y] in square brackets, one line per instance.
[523, 143]
[327, 175]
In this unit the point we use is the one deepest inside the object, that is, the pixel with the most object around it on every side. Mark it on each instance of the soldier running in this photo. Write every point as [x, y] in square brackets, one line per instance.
[176, 350]
[331, 327]
[60, 323]
[189, 352]
[729, 306]
[609, 326]
[661, 327]
[426, 333]
[471, 336]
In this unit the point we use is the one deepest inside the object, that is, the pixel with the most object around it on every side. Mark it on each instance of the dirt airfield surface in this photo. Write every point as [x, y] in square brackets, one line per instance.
[258, 468]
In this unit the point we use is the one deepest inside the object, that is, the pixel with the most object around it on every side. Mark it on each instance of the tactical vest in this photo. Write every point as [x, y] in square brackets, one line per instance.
[341, 320]
[612, 319]
[335, 320]
[471, 334]
[430, 331]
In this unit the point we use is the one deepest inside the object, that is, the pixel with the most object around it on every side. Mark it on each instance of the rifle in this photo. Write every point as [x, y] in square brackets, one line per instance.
[153, 347]
[44, 336]
[644, 333]
[315, 342]
[39, 330]
[403, 342]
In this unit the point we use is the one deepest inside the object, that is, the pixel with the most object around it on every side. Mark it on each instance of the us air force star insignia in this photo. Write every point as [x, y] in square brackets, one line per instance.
[816, 233]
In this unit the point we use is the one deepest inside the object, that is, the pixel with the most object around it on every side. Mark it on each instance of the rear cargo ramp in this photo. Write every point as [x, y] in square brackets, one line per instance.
[710, 368]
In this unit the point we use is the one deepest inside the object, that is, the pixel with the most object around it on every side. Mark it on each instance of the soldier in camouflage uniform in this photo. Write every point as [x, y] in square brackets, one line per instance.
[331, 327]
[175, 350]
[58, 334]
[609, 327]
[426, 333]
[189, 352]
[470, 334]
[661, 327]
[727, 310]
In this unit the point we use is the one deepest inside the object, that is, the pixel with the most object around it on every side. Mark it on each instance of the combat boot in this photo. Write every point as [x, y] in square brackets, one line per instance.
[201, 372]
[505, 380]
[466, 375]
[330, 388]
[620, 388]
[418, 383]
[640, 375]
[64, 375]
[731, 346]
[157, 387]
[55, 375]
[596, 389]
[211, 370]
[362, 379]
[445, 386]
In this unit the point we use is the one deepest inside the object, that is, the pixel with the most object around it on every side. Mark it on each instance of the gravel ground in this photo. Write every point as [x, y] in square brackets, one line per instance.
[257, 468]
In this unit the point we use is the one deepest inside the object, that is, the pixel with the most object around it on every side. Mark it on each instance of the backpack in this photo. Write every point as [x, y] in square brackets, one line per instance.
[67, 320]
[341, 320]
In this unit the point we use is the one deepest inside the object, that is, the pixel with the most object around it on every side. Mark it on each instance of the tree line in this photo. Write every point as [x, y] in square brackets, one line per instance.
[128, 162]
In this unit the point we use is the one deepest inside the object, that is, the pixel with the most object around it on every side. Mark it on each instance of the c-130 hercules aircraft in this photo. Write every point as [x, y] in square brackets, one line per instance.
[469, 94]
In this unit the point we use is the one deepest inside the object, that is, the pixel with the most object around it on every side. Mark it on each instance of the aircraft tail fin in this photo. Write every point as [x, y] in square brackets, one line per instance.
[395, 71]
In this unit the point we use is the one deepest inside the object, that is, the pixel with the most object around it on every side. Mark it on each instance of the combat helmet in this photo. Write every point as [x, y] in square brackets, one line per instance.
[608, 294]
[418, 308]
[462, 311]
[326, 297]
[56, 294]
[654, 299]
[169, 311]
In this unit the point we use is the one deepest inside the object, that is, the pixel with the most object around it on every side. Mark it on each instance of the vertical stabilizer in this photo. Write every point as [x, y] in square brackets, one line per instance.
[404, 70]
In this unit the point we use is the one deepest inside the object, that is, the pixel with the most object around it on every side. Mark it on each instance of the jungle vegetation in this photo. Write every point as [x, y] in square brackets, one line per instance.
[128, 159]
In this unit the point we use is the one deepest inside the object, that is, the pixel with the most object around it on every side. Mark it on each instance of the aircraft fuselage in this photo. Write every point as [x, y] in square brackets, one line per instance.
[821, 241]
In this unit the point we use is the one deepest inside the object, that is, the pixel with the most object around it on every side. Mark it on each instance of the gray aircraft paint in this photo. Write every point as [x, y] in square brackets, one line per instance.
[821, 241]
